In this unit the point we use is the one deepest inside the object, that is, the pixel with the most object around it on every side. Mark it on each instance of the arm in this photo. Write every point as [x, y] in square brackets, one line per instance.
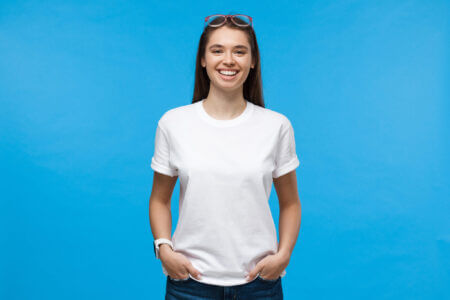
[290, 212]
[271, 266]
[177, 265]
[159, 207]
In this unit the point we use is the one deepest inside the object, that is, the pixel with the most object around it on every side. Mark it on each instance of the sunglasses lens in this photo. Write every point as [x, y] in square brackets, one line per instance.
[242, 20]
[215, 20]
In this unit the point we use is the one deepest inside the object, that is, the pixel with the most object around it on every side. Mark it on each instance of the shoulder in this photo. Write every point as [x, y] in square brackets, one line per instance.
[272, 117]
[175, 116]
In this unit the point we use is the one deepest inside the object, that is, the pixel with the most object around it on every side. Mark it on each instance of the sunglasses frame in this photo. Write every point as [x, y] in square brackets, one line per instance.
[226, 18]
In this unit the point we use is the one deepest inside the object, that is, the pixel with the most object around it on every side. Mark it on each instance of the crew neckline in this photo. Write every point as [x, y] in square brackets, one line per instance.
[225, 123]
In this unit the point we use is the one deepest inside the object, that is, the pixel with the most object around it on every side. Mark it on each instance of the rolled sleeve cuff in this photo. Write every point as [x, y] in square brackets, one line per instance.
[162, 169]
[292, 165]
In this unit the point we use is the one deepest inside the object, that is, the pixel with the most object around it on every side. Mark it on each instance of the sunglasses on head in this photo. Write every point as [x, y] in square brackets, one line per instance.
[219, 20]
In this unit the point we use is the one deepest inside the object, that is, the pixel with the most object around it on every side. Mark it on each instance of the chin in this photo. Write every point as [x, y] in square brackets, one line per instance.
[228, 87]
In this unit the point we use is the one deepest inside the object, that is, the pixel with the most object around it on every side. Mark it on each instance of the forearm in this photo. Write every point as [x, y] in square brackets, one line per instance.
[160, 220]
[289, 227]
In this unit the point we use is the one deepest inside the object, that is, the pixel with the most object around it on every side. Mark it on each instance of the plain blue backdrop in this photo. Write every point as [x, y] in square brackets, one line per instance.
[364, 83]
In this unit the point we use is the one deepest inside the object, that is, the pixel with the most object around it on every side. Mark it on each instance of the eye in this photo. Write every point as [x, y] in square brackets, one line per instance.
[216, 51]
[241, 52]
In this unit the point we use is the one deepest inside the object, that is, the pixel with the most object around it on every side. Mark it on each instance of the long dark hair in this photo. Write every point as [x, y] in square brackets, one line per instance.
[253, 84]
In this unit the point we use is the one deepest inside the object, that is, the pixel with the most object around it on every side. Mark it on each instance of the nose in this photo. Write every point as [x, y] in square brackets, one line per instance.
[228, 60]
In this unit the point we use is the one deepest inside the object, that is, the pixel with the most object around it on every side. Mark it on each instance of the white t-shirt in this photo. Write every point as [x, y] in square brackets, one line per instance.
[225, 167]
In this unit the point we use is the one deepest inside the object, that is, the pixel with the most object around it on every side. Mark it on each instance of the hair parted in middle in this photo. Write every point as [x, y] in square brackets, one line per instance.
[252, 90]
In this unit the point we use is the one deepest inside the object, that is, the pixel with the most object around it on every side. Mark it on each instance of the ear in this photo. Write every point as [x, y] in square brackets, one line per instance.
[202, 61]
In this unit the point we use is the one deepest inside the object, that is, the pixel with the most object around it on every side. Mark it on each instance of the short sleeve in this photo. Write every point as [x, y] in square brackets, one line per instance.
[161, 157]
[286, 158]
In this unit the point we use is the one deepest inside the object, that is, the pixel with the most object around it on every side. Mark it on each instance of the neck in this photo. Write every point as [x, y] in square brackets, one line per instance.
[224, 105]
[220, 95]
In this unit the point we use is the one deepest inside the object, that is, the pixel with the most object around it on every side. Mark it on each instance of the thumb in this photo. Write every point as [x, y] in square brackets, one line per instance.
[193, 271]
[252, 274]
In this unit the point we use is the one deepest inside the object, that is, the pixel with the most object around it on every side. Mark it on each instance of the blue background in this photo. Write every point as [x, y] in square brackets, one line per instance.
[364, 83]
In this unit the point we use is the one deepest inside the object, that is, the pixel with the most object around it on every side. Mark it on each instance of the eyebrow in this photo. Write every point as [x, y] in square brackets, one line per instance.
[237, 46]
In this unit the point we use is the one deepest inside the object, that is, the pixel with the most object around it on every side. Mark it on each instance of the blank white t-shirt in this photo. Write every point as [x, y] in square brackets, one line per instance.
[225, 167]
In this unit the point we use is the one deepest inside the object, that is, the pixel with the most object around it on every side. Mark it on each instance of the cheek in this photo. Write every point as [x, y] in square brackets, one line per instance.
[244, 62]
[211, 59]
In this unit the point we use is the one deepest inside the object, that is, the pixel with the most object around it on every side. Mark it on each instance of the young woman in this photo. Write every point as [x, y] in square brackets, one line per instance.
[227, 149]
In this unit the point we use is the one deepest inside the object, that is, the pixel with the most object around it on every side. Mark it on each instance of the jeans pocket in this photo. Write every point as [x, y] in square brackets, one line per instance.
[267, 280]
[179, 280]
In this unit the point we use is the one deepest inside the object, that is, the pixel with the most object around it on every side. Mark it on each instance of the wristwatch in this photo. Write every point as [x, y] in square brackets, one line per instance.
[158, 242]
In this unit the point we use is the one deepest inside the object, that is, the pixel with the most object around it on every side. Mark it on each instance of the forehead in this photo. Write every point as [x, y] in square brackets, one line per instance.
[228, 37]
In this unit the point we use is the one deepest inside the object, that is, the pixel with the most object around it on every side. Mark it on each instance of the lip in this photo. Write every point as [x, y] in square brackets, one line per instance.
[225, 77]
[228, 70]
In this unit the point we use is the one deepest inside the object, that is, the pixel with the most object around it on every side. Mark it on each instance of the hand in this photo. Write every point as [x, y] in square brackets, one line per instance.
[270, 267]
[176, 264]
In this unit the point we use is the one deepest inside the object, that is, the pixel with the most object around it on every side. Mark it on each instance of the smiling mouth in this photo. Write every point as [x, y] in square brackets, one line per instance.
[227, 75]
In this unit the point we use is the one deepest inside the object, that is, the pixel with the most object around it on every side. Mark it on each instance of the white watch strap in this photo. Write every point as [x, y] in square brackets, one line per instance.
[158, 242]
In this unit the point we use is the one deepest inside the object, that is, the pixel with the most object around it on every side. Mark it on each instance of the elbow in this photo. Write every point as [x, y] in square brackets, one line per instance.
[289, 203]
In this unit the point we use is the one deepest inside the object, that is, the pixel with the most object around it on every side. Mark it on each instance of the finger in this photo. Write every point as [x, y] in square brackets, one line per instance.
[193, 271]
[252, 274]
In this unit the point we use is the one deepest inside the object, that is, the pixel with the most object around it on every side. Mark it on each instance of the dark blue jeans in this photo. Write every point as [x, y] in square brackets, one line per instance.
[190, 289]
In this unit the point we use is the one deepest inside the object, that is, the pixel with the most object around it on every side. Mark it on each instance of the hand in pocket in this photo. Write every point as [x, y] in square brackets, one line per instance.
[270, 267]
[177, 265]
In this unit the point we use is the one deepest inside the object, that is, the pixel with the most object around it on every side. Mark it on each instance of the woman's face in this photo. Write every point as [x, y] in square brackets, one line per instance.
[228, 49]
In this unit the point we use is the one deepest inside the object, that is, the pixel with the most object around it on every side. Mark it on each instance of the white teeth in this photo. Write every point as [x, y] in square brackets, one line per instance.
[227, 72]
